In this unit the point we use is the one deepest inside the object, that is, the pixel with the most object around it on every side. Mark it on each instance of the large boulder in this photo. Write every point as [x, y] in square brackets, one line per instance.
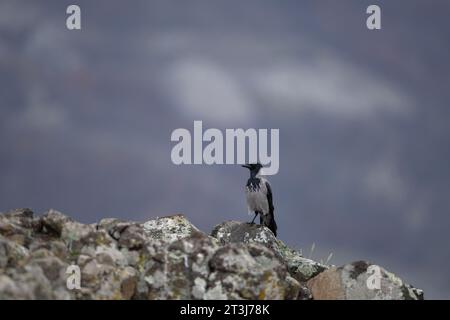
[361, 281]
[197, 268]
[299, 267]
[250, 272]
[169, 228]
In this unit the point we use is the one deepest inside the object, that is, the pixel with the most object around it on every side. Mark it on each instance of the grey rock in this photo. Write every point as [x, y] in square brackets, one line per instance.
[133, 237]
[299, 267]
[196, 267]
[251, 272]
[52, 267]
[358, 281]
[19, 226]
[10, 289]
[32, 283]
[171, 270]
[128, 282]
[12, 254]
[53, 222]
[169, 228]
[20, 213]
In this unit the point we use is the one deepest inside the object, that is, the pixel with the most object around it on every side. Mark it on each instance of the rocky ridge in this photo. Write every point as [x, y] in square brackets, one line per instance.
[169, 258]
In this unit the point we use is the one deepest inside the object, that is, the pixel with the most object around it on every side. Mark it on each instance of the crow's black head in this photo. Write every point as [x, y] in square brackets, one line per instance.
[253, 167]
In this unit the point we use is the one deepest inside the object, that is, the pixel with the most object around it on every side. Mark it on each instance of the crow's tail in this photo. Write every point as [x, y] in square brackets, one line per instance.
[268, 220]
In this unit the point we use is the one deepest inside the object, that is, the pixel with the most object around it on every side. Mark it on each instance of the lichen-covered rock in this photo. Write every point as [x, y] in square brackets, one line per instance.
[171, 271]
[18, 226]
[196, 267]
[53, 222]
[169, 228]
[163, 258]
[361, 281]
[251, 272]
[11, 254]
[299, 267]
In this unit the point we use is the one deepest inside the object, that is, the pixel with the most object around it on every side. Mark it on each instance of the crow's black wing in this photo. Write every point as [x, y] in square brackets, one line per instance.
[269, 197]
[269, 220]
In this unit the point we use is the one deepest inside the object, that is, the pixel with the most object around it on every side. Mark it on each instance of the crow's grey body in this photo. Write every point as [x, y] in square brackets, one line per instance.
[259, 198]
[256, 194]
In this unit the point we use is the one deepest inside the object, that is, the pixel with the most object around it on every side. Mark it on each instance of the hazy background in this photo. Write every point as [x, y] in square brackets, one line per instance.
[364, 118]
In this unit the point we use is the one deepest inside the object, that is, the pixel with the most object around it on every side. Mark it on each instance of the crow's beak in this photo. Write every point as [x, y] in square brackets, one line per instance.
[246, 166]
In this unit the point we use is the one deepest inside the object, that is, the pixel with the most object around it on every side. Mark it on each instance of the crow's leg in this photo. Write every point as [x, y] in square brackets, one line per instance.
[253, 221]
